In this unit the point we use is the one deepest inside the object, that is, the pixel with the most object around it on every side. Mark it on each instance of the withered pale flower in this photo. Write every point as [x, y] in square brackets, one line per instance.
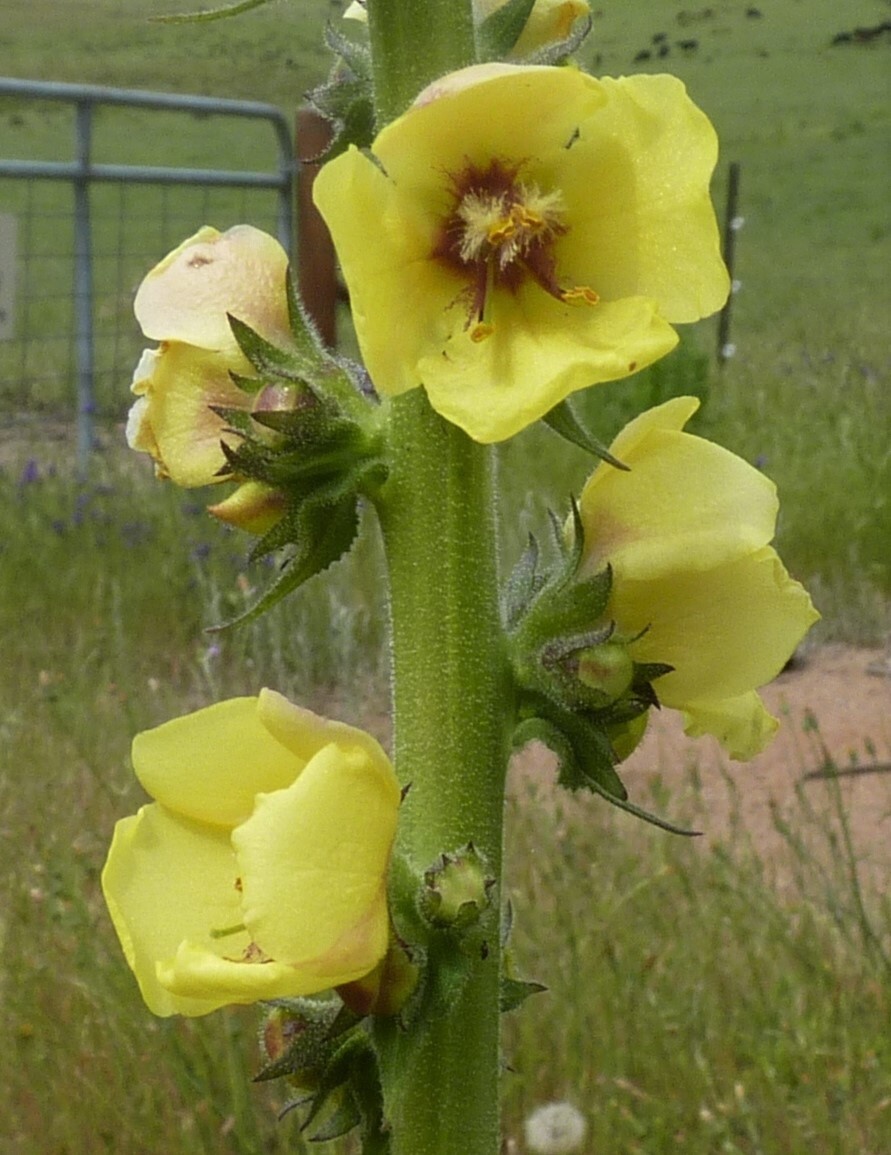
[524, 232]
[259, 871]
[183, 303]
[687, 535]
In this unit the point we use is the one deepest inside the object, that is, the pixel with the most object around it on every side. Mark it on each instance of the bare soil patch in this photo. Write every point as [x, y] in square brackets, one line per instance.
[835, 712]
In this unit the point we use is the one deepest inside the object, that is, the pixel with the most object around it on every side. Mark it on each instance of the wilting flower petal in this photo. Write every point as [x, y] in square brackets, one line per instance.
[695, 582]
[188, 294]
[259, 871]
[537, 232]
[184, 303]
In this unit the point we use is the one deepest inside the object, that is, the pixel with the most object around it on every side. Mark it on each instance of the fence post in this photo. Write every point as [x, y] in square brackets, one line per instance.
[316, 270]
[732, 224]
[83, 285]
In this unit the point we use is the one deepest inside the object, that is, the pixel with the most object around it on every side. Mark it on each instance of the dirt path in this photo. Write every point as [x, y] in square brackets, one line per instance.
[845, 693]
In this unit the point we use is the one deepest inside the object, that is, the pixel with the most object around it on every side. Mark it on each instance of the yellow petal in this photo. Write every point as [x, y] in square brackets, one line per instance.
[686, 504]
[168, 879]
[394, 287]
[187, 295]
[513, 112]
[174, 412]
[200, 977]
[540, 350]
[211, 764]
[320, 849]
[725, 630]
[742, 725]
[254, 507]
[549, 21]
[636, 187]
[305, 733]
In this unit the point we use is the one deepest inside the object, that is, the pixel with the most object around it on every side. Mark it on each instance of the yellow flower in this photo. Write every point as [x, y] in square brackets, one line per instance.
[259, 870]
[183, 303]
[549, 21]
[686, 533]
[523, 232]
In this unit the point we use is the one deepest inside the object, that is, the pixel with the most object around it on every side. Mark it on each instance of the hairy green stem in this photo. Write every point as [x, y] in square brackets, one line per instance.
[414, 42]
[451, 706]
[451, 691]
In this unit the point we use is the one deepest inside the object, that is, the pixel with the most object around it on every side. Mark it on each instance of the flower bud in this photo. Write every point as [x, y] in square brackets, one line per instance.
[386, 989]
[606, 669]
[456, 889]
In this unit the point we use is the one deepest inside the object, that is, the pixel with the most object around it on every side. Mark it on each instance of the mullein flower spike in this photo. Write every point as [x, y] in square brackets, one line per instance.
[539, 231]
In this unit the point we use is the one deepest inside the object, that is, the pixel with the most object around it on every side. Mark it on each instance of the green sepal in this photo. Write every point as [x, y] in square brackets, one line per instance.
[497, 35]
[586, 759]
[326, 532]
[342, 1119]
[281, 365]
[514, 992]
[346, 98]
[250, 385]
[524, 583]
[584, 768]
[355, 55]
[563, 420]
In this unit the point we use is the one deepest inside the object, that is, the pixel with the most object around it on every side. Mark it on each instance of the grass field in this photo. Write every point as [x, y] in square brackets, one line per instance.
[692, 1007]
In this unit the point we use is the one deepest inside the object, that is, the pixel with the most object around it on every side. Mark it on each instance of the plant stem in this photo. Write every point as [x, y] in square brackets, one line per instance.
[451, 700]
[451, 709]
[414, 42]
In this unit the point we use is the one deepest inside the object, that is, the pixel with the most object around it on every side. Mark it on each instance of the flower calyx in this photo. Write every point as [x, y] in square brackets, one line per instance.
[579, 691]
[304, 456]
[325, 1054]
[346, 98]
[456, 890]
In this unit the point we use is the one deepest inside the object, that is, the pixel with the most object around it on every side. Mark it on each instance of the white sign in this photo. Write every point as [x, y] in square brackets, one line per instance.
[7, 275]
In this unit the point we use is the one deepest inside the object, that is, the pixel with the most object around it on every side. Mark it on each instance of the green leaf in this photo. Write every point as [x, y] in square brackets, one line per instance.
[345, 1116]
[212, 14]
[307, 342]
[564, 421]
[326, 535]
[500, 31]
[514, 992]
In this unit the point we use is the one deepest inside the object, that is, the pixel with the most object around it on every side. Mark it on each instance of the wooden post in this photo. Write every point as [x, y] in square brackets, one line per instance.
[732, 224]
[316, 266]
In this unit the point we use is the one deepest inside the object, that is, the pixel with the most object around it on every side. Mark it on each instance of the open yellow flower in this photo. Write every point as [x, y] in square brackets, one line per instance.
[523, 232]
[183, 303]
[259, 870]
[549, 21]
[686, 533]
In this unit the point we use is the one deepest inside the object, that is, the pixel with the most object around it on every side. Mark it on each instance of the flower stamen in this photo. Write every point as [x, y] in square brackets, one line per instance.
[501, 232]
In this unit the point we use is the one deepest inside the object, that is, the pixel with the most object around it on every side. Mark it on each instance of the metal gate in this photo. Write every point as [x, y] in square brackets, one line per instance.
[77, 235]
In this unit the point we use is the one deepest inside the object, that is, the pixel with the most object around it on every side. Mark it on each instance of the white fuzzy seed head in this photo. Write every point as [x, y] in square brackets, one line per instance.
[555, 1129]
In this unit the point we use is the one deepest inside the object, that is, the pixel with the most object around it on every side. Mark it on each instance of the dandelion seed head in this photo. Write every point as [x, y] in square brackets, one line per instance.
[555, 1129]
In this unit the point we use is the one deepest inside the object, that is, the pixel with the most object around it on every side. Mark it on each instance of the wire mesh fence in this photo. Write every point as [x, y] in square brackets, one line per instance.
[89, 202]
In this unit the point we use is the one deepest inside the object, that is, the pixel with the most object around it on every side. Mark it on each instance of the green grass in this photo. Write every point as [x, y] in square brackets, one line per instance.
[694, 1006]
